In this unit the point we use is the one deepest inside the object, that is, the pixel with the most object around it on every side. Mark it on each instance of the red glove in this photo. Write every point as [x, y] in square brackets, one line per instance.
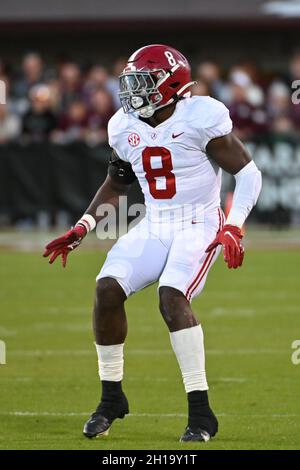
[64, 244]
[230, 237]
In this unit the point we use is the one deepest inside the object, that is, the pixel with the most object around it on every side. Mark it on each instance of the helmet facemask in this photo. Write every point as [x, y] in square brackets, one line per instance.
[139, 92]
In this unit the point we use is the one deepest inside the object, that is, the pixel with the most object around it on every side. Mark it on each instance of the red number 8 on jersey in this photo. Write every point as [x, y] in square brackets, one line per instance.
[151, 153]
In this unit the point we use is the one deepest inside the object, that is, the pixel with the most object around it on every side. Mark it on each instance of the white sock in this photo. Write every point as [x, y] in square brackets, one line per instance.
[188, 346]
[111, 362]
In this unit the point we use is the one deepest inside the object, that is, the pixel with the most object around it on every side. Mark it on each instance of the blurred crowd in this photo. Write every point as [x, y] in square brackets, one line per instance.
[67, 102]
[258, 103]
[63, 103]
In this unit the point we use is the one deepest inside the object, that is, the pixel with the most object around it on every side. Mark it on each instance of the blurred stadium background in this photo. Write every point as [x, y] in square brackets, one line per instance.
[60, 61]
[61, 66]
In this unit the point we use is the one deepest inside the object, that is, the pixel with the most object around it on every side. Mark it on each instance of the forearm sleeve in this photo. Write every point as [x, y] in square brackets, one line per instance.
[247, 188]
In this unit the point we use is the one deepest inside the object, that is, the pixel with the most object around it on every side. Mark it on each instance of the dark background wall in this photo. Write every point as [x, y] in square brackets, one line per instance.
[197, 42]
[107, 29]
[111, 9]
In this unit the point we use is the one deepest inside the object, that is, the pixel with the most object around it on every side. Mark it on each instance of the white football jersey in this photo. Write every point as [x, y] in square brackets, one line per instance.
[170, 160]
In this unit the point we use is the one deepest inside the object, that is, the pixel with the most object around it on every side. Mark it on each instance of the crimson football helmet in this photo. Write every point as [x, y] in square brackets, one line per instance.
[155, 76]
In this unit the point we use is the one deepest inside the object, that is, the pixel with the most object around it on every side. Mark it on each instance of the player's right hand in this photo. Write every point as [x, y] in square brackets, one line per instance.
[65, 244]
[230, 238]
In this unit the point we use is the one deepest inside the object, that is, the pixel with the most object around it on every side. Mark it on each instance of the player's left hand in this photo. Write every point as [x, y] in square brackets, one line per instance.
[65, 244]
[230, 238]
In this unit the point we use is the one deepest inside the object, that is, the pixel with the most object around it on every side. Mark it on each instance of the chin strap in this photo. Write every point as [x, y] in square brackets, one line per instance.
[149, 110]
[185, 87]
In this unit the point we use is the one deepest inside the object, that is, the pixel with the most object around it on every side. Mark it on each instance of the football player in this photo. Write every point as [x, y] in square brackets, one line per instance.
[176, 146]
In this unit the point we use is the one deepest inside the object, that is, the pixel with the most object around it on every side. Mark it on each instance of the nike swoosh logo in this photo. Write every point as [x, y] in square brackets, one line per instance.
[196, 221]
[230, 234]
[176, 135]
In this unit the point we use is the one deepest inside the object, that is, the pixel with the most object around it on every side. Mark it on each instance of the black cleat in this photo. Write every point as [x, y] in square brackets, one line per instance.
[195, 435]
[101, 420]
[207, 429]
[203, 424]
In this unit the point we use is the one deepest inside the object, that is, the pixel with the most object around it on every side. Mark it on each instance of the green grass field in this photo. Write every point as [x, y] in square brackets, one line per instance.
[50, 385]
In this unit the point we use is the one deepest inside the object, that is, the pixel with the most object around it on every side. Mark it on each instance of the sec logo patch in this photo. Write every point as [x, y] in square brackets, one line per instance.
[134, 139]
